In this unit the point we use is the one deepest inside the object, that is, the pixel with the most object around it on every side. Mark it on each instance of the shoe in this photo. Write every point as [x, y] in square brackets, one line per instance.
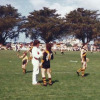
[44, 84]
[78, 73]
[50, 83]
[83, 76]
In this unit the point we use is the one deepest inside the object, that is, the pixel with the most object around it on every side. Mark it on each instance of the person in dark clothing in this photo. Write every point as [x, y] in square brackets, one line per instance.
[45, 64]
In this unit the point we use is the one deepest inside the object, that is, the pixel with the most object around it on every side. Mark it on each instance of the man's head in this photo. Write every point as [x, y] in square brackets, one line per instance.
[36, 43]
[48, 46]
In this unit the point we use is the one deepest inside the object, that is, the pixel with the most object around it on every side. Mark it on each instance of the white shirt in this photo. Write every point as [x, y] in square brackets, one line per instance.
[36, 53]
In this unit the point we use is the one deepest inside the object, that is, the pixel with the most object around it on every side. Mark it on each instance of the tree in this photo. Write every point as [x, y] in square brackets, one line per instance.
[84, 24]
[9, 23]
[44, 24]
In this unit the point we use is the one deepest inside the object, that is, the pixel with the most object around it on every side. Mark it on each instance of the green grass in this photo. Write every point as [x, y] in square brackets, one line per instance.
[14, 85]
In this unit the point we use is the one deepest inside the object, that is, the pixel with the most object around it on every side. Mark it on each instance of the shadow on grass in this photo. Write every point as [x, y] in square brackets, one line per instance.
[29, 71]
[54, 81]
[86, 74]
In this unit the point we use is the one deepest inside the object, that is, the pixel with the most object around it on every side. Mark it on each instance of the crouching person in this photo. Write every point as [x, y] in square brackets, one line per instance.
[24, 61]
[45, 64]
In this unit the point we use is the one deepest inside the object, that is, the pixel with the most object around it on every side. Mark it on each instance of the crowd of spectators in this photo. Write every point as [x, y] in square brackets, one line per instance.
[56, 46]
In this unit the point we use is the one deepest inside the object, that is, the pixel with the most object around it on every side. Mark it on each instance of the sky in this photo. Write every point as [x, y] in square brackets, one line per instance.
[63, 7]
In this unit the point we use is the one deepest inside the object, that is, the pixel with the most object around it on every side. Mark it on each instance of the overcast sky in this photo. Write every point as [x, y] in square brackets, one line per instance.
[62, 6]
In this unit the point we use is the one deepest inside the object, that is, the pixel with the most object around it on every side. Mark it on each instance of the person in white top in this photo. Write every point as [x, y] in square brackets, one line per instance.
[92, 47]
[36, 54]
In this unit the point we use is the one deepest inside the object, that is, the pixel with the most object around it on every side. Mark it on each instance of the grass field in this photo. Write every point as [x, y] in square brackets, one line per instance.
[14, 85]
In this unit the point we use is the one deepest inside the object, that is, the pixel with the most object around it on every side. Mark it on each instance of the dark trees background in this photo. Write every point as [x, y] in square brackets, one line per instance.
[45, 24]
[84, 24]
[9, 23]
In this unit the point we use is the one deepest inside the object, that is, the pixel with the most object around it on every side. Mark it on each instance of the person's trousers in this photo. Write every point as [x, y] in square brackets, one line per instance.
[35, 73]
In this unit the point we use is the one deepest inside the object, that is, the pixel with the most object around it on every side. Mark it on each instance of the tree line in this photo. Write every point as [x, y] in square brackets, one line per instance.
[46, 24]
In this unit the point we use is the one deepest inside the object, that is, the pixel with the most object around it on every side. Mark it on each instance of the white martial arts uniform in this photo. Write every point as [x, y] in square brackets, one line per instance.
[36, 54]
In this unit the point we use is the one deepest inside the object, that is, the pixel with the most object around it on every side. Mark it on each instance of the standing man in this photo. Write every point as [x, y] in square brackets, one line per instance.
[83, 60]
[45, 65]
[36, 54]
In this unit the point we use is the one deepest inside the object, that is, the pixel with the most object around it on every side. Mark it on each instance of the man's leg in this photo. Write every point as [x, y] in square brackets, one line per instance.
[34, 78]
[49, 76]
[84, 67]
[35, 73]
[23, 68]
[43, 76]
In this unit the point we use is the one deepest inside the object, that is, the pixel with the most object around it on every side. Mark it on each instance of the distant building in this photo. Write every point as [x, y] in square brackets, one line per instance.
[73, 41]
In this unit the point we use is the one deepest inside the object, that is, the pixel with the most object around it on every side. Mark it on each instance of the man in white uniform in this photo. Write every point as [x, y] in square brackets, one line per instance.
[36, 54]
